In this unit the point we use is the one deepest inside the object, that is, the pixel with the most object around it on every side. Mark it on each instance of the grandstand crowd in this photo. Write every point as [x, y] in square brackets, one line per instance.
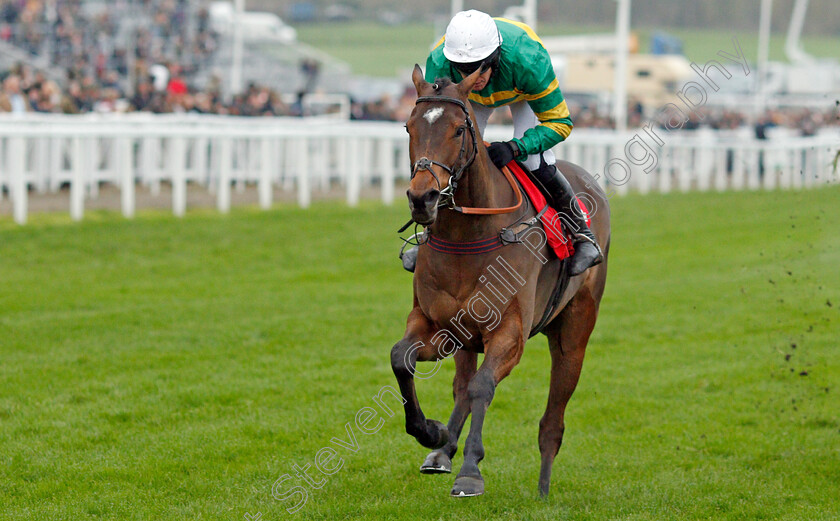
[144, 55]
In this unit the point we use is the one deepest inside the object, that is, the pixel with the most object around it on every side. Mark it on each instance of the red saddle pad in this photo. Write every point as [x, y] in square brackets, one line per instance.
[557, 236]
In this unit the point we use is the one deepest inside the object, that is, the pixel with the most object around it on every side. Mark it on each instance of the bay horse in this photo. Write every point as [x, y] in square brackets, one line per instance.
[458, 311]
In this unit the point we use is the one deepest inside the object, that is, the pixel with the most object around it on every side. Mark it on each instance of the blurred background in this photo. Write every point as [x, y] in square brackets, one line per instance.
[75, 56]
[351, 61]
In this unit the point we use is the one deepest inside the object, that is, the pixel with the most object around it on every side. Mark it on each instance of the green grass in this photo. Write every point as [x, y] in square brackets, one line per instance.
[385, 51]
[175, 369]
[372, 48]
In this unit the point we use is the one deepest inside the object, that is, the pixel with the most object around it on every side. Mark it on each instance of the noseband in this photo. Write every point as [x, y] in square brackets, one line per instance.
[447, 195]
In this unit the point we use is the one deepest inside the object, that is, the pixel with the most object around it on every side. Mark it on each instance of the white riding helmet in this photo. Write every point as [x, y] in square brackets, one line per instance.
[471, 36]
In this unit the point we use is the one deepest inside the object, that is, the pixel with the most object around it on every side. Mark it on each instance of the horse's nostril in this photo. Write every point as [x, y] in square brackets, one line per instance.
[432, 196]
[425, 199]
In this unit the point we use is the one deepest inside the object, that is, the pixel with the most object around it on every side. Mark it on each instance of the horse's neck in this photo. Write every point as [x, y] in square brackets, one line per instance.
[481, 186]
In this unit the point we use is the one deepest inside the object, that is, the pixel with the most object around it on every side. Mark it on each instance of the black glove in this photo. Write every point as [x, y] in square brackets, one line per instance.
[502, 153]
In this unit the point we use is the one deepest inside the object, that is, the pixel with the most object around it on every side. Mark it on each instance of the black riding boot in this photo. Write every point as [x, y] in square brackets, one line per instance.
[587, 251]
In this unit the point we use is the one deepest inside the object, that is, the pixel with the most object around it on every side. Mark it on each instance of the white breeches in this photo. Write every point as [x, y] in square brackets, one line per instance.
[523, 119]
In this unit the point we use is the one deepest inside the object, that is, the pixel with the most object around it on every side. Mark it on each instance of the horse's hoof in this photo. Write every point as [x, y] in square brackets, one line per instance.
[440, 436]
[466, 486]
[436, 463]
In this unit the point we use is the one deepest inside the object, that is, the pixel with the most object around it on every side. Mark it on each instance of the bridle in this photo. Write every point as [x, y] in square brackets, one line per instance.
[447, 194]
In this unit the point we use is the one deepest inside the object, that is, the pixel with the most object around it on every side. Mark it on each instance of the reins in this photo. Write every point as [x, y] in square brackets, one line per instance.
[493, 211]
[448, 194]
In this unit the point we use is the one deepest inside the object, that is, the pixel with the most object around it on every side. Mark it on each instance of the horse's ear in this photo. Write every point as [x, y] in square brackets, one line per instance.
[420, 82]
[466, 85]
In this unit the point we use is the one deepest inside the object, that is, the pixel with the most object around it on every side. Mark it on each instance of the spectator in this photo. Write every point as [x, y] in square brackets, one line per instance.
[143, 95]
[12, 98]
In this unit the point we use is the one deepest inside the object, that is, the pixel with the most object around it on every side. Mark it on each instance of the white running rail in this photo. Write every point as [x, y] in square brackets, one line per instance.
[45, 152]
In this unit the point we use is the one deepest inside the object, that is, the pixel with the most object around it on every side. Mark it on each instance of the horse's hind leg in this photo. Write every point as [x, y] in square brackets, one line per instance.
[440, 461]
[567, 339]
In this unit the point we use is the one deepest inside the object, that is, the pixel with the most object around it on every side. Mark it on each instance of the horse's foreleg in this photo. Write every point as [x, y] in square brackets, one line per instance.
[502, 352]
[440, 461]
[567, 339]
[413, 348]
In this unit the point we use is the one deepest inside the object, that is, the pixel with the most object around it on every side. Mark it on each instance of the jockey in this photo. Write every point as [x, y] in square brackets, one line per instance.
[519, 75]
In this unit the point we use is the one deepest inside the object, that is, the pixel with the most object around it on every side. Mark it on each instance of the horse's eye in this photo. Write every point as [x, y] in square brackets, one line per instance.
[459, 132]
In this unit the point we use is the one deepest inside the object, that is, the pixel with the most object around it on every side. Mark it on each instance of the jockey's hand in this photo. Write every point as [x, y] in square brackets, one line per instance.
[502, 153]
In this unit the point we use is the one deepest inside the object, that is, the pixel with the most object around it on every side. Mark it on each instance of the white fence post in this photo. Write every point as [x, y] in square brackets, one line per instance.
[77, 184]
[643, 178]
[738, 168]
[240, 172]
[823, 173]
[321, 166]
[809, 167]
[353, 173]
[155, 149]
[56, 163]
[199, 161]
[616, 151]
[90, 159]
[17, 174]
[771, 158]
[301, 158]
[41, 163]
[721, 168]
[125, 162]
[788, 168]
[225, 169]
[386, 170]
[664, 181]
[684, 168]
[266, 167]
[302, 162]
[302, 166]
[754, 171]
[177, 158]
[366, 160]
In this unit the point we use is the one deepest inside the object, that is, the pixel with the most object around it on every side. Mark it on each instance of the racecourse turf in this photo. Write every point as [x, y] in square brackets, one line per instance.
[169, 369]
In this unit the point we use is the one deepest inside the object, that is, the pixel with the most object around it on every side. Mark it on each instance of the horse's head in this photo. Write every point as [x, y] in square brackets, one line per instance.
[442, 142]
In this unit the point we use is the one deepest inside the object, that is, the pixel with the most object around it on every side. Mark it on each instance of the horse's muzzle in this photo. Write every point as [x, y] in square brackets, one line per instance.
[423, 206]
